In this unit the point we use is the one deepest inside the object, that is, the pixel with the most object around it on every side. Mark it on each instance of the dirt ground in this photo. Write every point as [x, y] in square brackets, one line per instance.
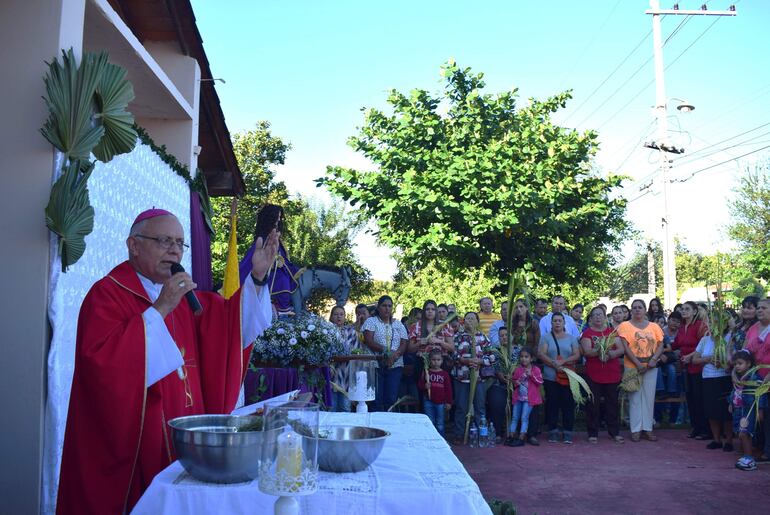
[673, 475]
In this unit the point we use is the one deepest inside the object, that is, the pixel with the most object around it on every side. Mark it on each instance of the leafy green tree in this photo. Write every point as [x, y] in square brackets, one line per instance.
[464, 289]
[319, 235]
[314, 234]
[744, 285]
[256, 150]
[487, 183]
[625, 279]
[750, 226]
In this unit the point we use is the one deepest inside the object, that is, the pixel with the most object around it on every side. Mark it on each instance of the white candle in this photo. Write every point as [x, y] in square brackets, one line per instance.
[361, 384]
[289, 459]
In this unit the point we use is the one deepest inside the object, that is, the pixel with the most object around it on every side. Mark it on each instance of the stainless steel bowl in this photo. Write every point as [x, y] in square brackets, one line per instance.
[349, 448]
[211, 448]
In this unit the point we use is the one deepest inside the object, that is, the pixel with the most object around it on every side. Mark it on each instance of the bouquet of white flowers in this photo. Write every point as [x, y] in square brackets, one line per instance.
[303, 340]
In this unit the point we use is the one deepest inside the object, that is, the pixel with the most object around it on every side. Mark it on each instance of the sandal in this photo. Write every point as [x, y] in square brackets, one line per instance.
[647, 435]
[619, 439]
[593, 439]
[635, 437]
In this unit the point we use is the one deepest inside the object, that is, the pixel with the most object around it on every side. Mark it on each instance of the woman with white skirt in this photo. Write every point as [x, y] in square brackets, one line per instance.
[643, 341]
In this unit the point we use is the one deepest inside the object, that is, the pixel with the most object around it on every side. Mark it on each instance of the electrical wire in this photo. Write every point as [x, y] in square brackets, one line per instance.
[693, 174]
[716, 20]
[590, 43]
[617, 90]
[735, 106]
[608, 77]
[749, 141]
[677, 29]
[638, 197]
[644, 88]
[635, 147]
[634, 74]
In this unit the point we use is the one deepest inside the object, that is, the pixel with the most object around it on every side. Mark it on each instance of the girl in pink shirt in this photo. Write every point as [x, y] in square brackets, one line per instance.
[526, 395]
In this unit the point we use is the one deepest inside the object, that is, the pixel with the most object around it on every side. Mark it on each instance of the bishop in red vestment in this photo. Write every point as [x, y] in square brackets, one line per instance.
[143, 358]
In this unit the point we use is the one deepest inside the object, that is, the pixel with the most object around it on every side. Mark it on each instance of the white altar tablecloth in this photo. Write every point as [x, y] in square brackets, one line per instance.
[416, 472]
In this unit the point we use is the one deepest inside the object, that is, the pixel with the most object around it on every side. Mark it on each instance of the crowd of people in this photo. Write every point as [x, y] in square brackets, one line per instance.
[662, 360]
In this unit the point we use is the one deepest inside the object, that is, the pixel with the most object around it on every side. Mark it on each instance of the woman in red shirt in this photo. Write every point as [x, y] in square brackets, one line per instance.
[687, 338]
[603, 376]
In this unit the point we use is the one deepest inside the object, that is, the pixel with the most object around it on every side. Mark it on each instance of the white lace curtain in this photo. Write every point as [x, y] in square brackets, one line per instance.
[119, 190]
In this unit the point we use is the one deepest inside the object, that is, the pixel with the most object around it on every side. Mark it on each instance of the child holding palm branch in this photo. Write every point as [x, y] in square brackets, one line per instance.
[527, 380]
[438, 387]
[742, 400]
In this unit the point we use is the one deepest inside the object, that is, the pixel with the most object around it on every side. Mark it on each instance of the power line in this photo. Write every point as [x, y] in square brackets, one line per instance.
[695, 157]
[608, 77]
[643, 179]
[635, 146]
[694, 41]
[590, 43]
[636, 72]
[648, 192]
[719, 164]
[644, 88]
[711, 145]
[638, 197]
[677, 29]
[617, 90]
[732, 108]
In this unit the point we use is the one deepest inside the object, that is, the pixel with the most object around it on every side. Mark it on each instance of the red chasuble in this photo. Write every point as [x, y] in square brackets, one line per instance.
[117, 438]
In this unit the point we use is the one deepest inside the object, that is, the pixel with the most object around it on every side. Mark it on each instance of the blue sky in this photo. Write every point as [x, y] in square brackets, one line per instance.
[310, 66]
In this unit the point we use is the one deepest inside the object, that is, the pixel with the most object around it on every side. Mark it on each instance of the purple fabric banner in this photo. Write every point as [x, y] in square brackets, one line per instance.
[282, 380]
[200, 247]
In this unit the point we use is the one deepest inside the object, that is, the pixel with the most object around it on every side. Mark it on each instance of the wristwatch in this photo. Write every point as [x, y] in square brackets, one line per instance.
[257, 281]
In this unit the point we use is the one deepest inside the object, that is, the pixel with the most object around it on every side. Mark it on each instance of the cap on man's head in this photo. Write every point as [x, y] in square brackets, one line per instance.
[151, 213]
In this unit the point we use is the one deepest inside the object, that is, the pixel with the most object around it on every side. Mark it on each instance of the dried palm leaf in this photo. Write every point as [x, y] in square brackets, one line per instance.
[577, 386]
[471, 394]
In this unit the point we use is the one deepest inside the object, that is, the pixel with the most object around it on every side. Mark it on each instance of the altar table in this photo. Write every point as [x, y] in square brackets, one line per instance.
[416, 473]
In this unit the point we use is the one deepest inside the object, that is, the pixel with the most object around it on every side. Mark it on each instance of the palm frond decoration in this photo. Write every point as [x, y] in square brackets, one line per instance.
[70, 89]
[69, 213]
[86, 114]
[113, 94]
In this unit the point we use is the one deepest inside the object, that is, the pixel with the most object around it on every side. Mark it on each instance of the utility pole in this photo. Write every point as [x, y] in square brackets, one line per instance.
[650, 269]
[663, 146]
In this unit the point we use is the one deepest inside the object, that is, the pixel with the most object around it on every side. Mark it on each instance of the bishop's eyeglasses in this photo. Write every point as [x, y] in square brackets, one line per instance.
[165, 241]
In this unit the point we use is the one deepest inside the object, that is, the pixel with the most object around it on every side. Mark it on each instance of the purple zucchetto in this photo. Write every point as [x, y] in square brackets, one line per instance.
[151, 213]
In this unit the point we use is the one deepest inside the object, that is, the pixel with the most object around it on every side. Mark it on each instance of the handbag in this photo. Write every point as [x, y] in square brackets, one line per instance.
[561, 377]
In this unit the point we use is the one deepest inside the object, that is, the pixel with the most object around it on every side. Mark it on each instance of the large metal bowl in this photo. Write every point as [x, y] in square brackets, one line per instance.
[212, 449]
[349, 448]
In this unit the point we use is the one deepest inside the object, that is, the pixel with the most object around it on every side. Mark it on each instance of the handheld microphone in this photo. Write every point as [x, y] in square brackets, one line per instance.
[192, 300]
